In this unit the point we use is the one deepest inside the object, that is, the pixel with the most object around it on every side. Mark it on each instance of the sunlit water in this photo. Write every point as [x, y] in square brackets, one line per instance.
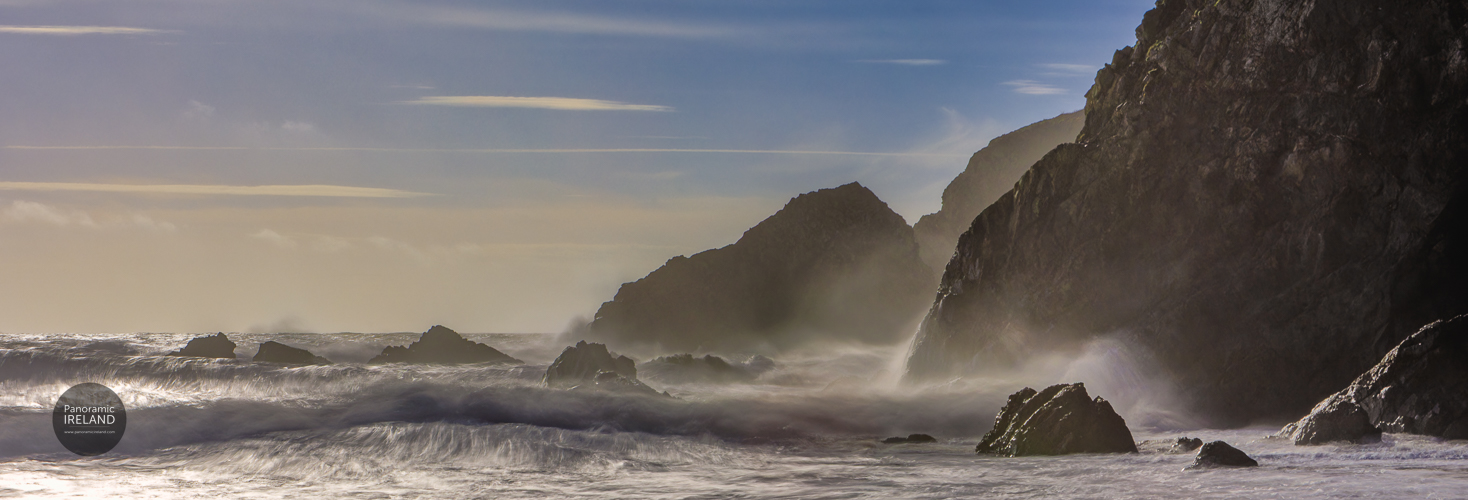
[809, 429]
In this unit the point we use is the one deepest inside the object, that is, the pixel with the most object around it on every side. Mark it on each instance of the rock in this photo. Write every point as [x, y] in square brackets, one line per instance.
[1220, 454]
[1267, 195]
[441, 345]
[614, 382]
[832, 264]
[990, 173]
[1186, 444]
[276, 352]
[582, 362]
[212, 346]
[684, 368]
[910, 439]
[1060, 420]
[1419, 387]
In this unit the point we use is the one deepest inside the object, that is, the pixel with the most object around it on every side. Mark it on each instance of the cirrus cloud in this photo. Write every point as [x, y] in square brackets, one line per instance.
[79, 30]
[208, 189]
[556, 103]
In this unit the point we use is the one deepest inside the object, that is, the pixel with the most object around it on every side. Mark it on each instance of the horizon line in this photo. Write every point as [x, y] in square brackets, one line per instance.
[481, 150]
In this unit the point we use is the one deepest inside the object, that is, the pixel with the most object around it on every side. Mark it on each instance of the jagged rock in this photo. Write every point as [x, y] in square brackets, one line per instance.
[1419, 387]
[443, 346]
[211, 346]
[276, 352]
[1186, 444]
[614, 382]
[684, 368]
[1219, 453]
[582, 362]
[1059, 420]
[990, 173]
[910, 439]
[834, 263]
[1267, 195]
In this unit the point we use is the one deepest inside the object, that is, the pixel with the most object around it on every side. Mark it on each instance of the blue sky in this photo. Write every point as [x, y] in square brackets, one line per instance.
[500, 166]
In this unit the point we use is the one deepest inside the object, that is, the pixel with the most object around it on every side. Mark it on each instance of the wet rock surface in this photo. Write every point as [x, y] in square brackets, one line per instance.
[685, 368]
[582, 362]
[1220, 454]
[1419, 387]
[1060, 420]
[276, 352]
[440, 345]
[212, 346]
[1186, 444]
[1268, 195]
[990, 173]
[833, 263]
[910, 439]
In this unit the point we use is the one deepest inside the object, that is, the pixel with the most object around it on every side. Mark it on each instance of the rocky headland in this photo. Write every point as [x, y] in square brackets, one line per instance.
[834, 263]
[1267, 195]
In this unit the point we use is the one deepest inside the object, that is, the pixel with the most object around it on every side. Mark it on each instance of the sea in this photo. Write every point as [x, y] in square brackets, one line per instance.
[810, 428]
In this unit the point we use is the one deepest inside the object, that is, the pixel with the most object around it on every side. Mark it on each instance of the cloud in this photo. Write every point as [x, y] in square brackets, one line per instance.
[275, 238]
[198, 112]
[905, 62]
[558, 103]
[80, 30]
[482, 151]
[298, 128]
[1073, 69]
[150, 224]
[205, 189]
[556, 22]
[1032, 87]
[29, 211]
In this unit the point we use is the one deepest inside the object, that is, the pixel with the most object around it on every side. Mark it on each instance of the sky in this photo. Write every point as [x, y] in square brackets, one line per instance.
[382, 165]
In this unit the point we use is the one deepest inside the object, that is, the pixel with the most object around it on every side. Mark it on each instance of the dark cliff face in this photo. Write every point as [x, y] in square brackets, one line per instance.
[990, 173]
[1267, 194]
[834, 263]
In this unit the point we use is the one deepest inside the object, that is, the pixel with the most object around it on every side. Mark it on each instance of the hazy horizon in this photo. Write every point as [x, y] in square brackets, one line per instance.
[381, 166]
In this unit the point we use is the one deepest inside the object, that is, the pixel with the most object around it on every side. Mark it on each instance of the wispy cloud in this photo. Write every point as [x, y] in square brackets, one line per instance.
[479, 151]
[1075, 69]
[29, 211]
[80, 30]
[206, 189]
[560, 22]
[557, 103]
[1032, 87]
[905, 62]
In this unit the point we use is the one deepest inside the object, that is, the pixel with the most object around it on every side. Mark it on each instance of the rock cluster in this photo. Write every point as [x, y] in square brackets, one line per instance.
[684, 368]
[211, 346]
[590, 366]
[1263, 191]
[276, 352]
[910, 439]
[1220, 454]
[834, 263]
[443, 346]
[1059, 420]
[1419, 387]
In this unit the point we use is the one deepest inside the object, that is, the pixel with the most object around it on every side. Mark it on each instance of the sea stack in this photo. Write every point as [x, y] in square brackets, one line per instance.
[210, 346]
[442, 346]
[591, 367]
[1266, 195]
[1060, 420]
[835, 263]
[276, 352]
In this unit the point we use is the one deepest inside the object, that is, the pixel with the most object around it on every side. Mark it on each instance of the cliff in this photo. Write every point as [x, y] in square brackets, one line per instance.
[990, 173]
[1266, 194]
[835, 263]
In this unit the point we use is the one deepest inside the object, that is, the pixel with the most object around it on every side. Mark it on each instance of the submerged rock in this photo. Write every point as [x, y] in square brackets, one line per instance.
[684, 368]
[443, 346]
[832, 264]
[1186, 444]
[910, 439]
[276, 352]
[1220, 454]
[1419, 387]
[1059, 420]
[212, 346]
[582, 362]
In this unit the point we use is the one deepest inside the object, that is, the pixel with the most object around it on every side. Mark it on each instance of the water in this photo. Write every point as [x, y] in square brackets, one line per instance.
[809, 429]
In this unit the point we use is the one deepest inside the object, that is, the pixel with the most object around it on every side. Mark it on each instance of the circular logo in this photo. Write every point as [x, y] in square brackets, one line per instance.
[89, 419]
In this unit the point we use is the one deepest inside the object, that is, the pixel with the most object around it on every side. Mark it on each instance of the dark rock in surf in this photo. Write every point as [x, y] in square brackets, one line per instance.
[1060, 420]
[1267, 195]
[1185, 445]
[212, 346]
[1419, 387]
[614, 382]
[582, 362]
[440, 345]
[834, 263]
[276, 352]
[910, 439]
[990, 173]
[684, 368]
[1220, 454]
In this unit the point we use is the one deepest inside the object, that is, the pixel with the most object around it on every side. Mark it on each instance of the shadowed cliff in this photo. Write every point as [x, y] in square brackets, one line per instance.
[833, 264]
[990, 173]
[1266, 194]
